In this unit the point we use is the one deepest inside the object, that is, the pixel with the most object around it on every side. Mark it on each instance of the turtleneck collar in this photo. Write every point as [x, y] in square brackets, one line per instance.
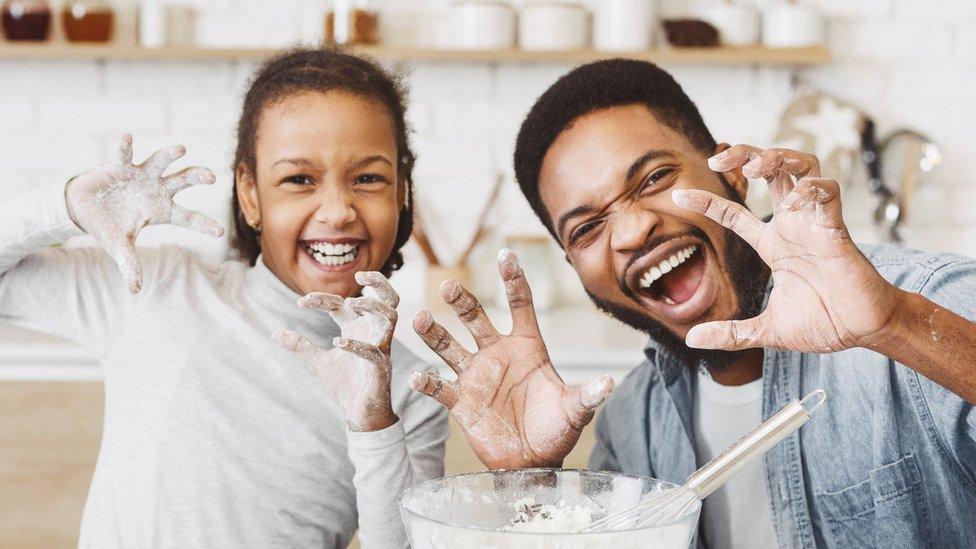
[270, 292]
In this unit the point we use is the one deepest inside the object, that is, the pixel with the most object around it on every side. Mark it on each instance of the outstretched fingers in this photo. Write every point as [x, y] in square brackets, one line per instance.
[156, 164]
[123, 251]
[436, 387]
[365, 351]
[194, 220]
[187, 178]
[580, 403]
[124, 155]
[296, 343]
[332, 303]
[524, 321]
[730, 335]
[440, 341]
[729, 214]
[470, 312]
[376, 284]
[823, 195]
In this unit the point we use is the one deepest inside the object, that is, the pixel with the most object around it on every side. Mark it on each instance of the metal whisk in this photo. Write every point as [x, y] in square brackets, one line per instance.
[672, 504]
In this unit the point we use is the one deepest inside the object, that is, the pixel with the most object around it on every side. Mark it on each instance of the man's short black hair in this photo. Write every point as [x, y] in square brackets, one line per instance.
[596, 86]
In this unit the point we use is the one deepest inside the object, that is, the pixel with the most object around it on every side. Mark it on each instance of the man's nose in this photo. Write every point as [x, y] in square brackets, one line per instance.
[336, 208]
[632, 227]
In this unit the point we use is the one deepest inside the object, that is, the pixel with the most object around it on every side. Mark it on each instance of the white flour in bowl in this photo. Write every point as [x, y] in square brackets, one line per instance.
[558, 518]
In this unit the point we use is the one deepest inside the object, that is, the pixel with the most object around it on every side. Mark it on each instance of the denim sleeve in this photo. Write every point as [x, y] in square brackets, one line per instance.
[603, 458]
[953, 285]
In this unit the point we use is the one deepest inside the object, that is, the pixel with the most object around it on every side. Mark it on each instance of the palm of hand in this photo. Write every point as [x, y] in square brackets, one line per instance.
[511, 407]
[119, 201]
[823, 286]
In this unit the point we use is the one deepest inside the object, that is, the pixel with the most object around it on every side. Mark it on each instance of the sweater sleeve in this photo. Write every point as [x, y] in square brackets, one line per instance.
[389, 461]
[73, 293]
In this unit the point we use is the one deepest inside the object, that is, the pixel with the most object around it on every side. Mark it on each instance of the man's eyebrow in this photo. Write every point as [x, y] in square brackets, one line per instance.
[575, 212]
[648, 156]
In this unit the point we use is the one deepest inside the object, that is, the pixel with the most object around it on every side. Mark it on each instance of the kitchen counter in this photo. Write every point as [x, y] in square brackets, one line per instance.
[582, 342]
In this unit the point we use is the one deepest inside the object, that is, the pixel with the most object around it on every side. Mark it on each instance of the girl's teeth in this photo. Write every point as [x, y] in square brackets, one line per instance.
[332, 254]
[665, 267]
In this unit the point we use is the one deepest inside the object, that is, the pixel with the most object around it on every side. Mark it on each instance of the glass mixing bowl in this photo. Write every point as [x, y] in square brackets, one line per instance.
[476, 510]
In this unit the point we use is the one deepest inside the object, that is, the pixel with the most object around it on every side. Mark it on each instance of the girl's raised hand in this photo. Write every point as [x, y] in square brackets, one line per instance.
[356, 371]
[114, 202]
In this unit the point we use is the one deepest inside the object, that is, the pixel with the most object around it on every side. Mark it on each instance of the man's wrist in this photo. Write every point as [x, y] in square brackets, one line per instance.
[894, 330]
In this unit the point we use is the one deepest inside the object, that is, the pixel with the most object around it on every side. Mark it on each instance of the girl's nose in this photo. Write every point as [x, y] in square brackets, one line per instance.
[336, 209]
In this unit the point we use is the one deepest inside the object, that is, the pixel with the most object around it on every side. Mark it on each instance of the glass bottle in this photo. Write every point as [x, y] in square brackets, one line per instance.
[88, 20]
[26, 20]
[352, 22]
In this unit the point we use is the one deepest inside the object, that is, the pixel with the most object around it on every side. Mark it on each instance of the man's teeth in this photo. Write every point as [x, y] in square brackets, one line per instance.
[332, 254]
[663, 268]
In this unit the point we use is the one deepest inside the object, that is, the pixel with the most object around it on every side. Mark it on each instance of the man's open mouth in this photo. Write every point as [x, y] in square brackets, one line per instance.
[332, 254]
[675, 279]
[671, 280]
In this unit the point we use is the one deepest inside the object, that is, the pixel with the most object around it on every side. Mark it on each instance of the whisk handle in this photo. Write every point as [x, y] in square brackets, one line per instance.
[769, 433]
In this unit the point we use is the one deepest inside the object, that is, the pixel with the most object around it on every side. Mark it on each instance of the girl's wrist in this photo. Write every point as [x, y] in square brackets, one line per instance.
[377, 422]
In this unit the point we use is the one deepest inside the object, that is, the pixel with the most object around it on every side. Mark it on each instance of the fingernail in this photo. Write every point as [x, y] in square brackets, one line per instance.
[715, 162]
[508, 264]
[207, 177]
[697, 338]
[686, 199]
[450, 290]
[422, 321]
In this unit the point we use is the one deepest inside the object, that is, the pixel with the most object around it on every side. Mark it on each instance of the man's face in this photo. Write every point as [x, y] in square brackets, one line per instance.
[606, 182]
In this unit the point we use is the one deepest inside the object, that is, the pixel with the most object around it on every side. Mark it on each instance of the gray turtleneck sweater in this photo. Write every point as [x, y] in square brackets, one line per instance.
[213, 436]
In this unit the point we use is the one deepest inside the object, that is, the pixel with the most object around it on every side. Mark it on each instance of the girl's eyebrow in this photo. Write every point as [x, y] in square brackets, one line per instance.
[370, 159]
[295, 161]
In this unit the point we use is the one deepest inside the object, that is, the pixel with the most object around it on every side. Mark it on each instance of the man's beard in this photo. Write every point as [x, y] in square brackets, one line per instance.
[746, 270]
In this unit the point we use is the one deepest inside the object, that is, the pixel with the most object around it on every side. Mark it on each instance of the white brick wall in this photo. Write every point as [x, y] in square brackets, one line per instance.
[906, 62]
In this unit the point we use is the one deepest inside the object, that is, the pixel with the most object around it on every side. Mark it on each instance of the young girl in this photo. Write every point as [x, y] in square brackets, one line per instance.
[214, 436]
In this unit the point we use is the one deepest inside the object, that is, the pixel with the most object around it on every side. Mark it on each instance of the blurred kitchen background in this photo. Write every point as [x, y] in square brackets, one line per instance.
[880, 89]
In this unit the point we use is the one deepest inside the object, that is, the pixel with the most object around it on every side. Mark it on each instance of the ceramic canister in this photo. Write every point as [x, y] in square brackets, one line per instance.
[482, 25]
[787, 25]
[624, 25]
[553, 26]
[737, 25]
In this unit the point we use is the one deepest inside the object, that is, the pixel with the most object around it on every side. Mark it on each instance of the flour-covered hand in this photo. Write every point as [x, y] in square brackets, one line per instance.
[356, 371]
[513, 407]
[826, 295]
[114, 202]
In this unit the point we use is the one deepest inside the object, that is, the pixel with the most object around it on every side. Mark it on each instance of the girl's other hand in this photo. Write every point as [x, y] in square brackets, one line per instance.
[356, 371]
[114, 202]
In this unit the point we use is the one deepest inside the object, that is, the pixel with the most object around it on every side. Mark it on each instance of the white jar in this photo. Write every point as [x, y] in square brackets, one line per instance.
[624, 25]
[737, 25]
[482, 25]
[553, 26]
[787, 25]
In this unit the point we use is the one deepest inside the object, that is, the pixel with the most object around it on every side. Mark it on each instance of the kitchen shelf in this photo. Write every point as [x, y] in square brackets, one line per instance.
[693, 56]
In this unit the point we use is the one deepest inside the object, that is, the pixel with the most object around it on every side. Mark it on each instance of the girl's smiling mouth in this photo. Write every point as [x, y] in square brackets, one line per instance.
[336, 255]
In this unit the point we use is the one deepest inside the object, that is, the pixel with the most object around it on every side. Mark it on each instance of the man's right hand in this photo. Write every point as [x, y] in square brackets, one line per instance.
[513, 407]
[114, 202]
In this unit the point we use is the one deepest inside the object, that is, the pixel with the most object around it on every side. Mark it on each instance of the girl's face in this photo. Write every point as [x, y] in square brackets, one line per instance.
[325, 190]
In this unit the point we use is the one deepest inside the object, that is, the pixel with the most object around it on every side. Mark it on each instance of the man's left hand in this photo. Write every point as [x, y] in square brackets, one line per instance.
[826, 295]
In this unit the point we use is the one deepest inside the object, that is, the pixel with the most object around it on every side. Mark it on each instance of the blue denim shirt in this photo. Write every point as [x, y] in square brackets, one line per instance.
[890, 461]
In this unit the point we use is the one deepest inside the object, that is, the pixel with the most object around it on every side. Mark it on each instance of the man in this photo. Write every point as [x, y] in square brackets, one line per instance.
[743, 317]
